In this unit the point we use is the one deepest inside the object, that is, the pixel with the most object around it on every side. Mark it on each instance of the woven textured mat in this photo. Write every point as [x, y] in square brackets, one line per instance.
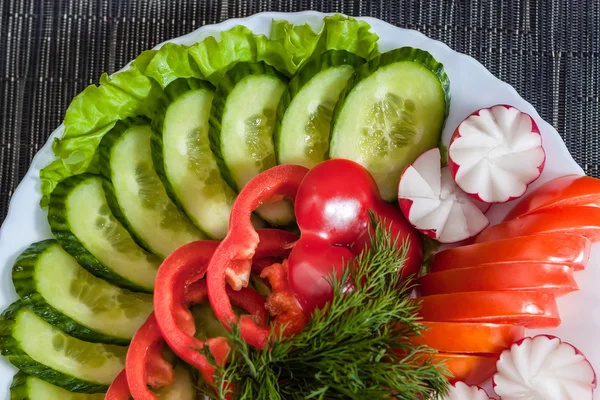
[50, 50]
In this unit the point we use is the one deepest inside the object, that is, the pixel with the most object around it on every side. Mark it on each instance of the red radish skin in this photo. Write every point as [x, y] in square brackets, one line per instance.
[454, 166]
[461, 391]
[574, 378]
[433, 204]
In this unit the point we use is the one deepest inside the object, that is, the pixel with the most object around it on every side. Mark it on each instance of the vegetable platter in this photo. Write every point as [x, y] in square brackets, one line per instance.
[295, 206]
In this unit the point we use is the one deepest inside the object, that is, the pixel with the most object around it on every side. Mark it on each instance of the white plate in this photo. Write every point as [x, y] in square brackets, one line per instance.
[472, 87]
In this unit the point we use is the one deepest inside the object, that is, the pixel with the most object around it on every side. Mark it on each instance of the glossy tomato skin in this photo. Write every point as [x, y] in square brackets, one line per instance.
[311, 264]
[469, 368]
[552, 278]
[469, 337]
[565, 191]
[531, 309]
[583, 221]
[556, 248]
[332, 211]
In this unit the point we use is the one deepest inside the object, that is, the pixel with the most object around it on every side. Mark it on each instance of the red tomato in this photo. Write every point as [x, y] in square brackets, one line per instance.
[469, 337]
[552, 278]
[554, 248]
[527, 308]
[569, 190]
[313, 263]
[332, 210]
[471, 369]
[584, 221]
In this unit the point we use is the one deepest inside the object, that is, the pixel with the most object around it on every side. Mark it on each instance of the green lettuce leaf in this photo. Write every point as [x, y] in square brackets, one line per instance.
[134, 91]
[347, 33]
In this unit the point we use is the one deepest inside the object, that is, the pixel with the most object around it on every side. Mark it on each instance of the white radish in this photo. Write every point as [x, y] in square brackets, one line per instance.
[544, 368]
[495, 153]
[433, 204]
[462, 391]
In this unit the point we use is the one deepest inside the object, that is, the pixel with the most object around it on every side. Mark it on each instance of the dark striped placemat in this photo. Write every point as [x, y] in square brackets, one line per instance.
[51, 49]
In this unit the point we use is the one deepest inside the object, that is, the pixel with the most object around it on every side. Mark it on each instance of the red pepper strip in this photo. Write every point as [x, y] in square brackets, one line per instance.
[145, 364]
[281, 302]
[119, 389]
[178, 286]
[232, 260]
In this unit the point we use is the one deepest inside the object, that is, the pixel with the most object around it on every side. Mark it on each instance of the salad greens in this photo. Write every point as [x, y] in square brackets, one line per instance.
[133, 92]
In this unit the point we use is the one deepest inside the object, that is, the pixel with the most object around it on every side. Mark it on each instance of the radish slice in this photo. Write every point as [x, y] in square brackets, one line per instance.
[544, 368]
[433, 204]
[462, 391]
[496, 153]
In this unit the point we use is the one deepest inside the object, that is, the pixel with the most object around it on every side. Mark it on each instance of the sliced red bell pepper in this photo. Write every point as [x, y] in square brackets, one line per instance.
[550, 248]
[232, 261]
[145, 366]
[282, 303]
[178, 286]
[119, 389]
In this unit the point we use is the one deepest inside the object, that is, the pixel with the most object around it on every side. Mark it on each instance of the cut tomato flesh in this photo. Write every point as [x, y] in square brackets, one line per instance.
[469, 337]
[552, 278]
[565, 191]
[557, 248]
[584, 221]
[469, 368]
[527, 308]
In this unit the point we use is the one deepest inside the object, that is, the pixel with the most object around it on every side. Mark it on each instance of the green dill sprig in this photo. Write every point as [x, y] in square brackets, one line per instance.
[356, 347]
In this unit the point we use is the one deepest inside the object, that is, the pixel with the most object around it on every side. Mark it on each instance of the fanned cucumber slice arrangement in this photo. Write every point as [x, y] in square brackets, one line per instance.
[149, 214]
[242, 124]
[306, 108]
[183, 158]
[392, 110]
[84, 225]
[25, 387]
[43, 351]
[52, 284]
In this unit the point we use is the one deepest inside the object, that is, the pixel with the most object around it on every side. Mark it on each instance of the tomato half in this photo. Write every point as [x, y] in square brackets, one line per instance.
[556, 248]
[527, 308]
[568, 190]
[584, 221]
[469, 337]
[471, 369]
[552, 278]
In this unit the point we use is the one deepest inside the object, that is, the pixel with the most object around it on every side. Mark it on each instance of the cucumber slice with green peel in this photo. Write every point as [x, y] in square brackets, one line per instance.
[242, 124]
[149, 214]
[306, 108]
[82, 222]
[25, 387]
[183, 388]
[41, 350]
[183, 158]
[392, 110]
[52, 284]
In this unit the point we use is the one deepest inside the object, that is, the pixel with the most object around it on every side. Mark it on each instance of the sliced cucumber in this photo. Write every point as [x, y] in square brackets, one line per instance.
[393, 109]
[25, 387]
[182, 389]
[183, 159]
[84, 225]
[43, 351]
[306, 108]
[242, 123]
[149, 214]
[56, 288]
